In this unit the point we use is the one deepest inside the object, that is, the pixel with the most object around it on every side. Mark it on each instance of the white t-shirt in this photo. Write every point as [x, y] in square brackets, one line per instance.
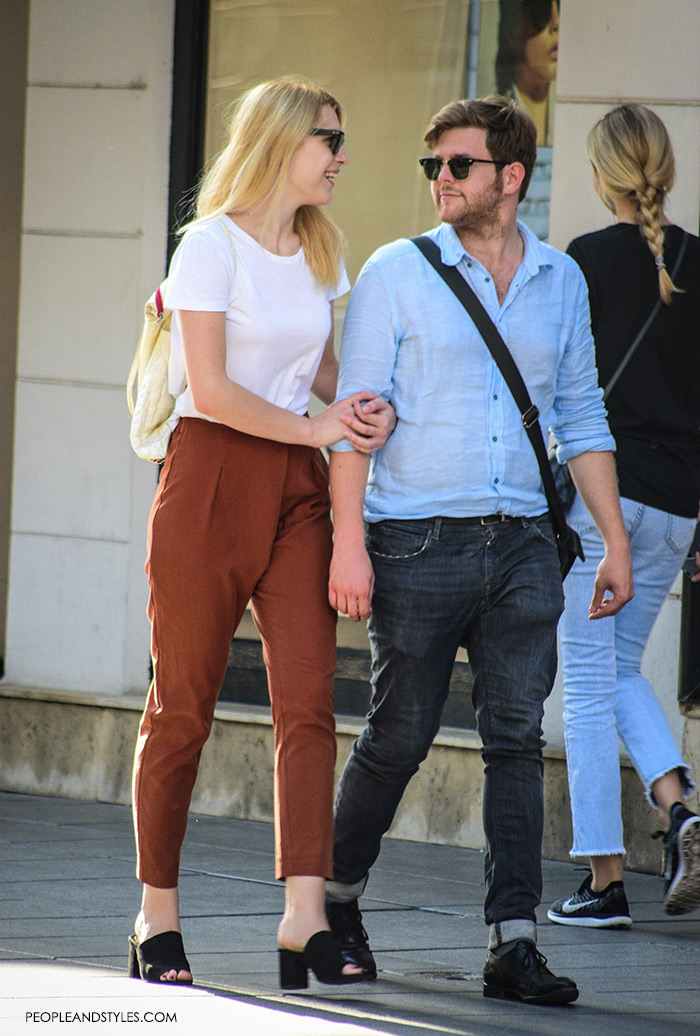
[278, 316]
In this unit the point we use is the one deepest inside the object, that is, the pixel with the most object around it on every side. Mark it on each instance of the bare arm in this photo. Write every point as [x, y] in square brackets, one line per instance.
[351, 580]
[371, 420]
[326, 380]
[214, 394]
[596, 480]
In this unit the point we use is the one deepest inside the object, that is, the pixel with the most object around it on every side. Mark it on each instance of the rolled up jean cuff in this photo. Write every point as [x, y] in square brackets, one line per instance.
[510, 931]
[339, 893]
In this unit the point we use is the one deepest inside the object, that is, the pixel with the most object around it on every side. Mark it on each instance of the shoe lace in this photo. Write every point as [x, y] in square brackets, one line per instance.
[532, 958]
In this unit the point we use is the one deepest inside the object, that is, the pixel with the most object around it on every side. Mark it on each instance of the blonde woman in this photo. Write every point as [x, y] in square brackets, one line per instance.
[654, 415]
[242, 511]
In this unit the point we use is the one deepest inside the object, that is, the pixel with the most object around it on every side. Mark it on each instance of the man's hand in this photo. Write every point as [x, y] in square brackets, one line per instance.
[614, 579]
[351, 582]
[596, 480]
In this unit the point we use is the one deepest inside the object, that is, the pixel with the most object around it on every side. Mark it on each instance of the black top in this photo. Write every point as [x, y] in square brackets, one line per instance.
[654, 409]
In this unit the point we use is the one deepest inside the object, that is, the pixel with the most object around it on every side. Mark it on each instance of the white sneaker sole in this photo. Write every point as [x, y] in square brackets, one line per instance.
[684, 892]
[580, 921]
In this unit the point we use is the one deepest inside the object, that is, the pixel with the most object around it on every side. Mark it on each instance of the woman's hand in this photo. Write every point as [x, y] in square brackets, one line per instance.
[370, 424]
[328, 427]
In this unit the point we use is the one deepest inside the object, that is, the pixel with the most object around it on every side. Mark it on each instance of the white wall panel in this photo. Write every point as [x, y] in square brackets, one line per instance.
[96, 41]
[629, 48]
[79, 321]
[95, 227]
[84, 151]
[73, 457]
[67, 621]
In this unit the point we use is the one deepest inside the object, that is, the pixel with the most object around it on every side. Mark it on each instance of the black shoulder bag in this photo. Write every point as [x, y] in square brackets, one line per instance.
[568, 542]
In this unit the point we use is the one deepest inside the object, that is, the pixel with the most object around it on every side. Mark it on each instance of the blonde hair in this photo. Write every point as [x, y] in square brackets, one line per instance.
[267, 125]
[631, 152]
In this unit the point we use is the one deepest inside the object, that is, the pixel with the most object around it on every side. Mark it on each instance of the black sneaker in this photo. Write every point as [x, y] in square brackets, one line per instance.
[589, 909]
[522, 974]
[682, 861]
[345, 920]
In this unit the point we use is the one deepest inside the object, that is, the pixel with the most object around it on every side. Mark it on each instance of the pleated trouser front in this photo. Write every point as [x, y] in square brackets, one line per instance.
[237, 519]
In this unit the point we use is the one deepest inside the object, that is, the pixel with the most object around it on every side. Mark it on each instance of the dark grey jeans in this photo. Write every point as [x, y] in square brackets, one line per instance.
[495, 590]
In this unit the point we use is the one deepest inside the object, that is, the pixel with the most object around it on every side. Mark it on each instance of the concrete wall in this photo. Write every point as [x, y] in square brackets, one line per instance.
[94, 235]
[81, 747]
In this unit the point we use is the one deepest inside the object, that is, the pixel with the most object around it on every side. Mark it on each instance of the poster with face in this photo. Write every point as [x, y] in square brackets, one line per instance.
[526, 59]
[514, 44]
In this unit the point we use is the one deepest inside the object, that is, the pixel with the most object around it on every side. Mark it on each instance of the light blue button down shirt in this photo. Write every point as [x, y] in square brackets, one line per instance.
[459, 448]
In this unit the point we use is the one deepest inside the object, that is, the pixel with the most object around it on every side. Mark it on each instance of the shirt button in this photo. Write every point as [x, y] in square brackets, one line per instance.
[495, 438]
[495, 481]
[487, 279]
[495, 395]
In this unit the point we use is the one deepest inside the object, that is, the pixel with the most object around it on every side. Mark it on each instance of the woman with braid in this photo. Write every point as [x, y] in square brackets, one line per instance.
[654, 414]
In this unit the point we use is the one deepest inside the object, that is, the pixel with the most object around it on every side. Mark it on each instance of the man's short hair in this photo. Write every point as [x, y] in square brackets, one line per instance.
[511, 135]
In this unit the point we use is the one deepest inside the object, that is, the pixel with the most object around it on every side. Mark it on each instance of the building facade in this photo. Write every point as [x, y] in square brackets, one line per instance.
[109, 110]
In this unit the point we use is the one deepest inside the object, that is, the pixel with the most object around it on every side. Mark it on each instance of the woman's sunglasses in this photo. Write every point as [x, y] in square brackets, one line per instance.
[334, 138]
[460, 166]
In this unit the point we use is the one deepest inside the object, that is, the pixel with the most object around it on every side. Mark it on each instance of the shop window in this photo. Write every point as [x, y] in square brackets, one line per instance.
[391, 67]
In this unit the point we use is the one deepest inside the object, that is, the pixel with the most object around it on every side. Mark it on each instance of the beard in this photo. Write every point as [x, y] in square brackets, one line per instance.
[480, 213]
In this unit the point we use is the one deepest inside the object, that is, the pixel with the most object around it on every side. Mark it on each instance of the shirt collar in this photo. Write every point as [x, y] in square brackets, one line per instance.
[453, 251]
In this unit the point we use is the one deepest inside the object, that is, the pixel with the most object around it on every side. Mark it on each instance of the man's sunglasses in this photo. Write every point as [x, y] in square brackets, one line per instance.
[334, 138]
[460, 166]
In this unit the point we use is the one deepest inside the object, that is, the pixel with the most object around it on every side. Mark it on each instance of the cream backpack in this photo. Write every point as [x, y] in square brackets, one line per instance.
[147, 391]
[148, 394]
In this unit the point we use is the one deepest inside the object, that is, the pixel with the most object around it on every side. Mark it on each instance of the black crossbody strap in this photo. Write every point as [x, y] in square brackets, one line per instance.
[508, 368]
[647, 323]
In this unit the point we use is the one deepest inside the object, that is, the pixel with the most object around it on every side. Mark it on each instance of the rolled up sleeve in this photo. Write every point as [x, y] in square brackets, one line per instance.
[580, 421]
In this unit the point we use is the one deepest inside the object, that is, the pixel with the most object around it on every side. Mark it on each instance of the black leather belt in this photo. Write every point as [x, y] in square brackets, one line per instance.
[488, 519]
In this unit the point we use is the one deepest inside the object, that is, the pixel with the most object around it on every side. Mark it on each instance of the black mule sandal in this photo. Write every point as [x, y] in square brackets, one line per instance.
[156, 956]
[322, 956]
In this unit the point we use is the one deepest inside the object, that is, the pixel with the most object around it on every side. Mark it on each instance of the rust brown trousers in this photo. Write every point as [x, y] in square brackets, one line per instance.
[238, 519]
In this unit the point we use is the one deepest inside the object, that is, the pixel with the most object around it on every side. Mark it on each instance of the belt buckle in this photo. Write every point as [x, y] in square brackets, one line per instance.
[492, 519]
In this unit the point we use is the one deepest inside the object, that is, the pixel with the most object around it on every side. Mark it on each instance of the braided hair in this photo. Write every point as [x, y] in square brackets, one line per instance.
[631, 152]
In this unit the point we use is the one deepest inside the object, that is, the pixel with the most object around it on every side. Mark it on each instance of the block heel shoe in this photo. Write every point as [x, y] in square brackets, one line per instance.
[156, 956]
[322, 956]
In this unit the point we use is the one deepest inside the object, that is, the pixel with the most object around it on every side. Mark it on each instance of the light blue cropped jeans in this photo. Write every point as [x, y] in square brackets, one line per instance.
[605, 694]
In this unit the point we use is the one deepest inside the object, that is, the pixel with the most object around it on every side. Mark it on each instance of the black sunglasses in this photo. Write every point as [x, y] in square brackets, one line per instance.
[334, 138]
[460, 166]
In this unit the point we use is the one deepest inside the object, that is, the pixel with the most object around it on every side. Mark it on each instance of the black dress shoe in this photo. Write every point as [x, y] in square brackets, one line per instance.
[345, 920]
[522, 974]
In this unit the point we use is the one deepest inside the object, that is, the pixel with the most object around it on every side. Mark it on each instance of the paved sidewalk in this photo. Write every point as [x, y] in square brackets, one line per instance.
[68, 898]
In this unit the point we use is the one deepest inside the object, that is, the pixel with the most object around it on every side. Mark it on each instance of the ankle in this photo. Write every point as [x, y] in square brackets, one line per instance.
[605, 871]
[600, 887]
[160, 912]
[294, 932]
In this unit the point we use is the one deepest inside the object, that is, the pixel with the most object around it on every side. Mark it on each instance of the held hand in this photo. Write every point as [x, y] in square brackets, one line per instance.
[370, 424]
[351, 583]
[327, 428]
[614, 578]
